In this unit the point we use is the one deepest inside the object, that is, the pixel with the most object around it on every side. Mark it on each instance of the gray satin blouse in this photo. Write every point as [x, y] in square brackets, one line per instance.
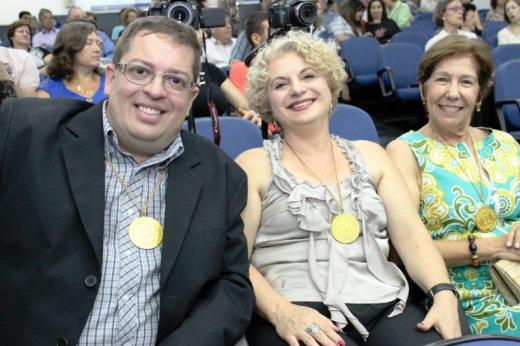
[296, 253]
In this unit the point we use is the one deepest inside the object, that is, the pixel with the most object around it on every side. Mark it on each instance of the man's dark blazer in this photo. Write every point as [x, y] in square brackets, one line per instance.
[51, 231]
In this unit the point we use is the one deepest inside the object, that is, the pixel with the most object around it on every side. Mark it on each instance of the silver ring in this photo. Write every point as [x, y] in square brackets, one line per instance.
[312, 330]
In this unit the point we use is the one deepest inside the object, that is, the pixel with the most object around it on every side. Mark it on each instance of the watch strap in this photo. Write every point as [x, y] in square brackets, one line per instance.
[441, 287]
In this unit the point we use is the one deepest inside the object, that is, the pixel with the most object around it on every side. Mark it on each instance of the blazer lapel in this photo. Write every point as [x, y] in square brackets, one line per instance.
[182, 193]
[82, 144]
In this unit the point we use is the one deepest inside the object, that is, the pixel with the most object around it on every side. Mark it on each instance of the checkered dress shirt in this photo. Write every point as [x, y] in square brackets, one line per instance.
[126, 309]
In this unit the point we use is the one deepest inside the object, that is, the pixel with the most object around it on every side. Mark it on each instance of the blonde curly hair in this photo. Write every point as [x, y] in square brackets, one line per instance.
[314, 51]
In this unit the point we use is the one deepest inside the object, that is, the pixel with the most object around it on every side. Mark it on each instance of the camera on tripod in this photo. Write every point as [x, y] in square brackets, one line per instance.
[188, 12]
[285, 14]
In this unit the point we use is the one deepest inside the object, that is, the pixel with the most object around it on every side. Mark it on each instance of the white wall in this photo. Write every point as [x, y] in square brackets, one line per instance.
[10, 8]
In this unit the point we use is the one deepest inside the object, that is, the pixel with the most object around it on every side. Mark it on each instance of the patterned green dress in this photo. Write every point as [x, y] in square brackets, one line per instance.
[450, 196]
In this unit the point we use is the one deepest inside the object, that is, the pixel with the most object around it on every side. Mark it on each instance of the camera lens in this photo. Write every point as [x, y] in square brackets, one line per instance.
[304, 14]
[180, 11]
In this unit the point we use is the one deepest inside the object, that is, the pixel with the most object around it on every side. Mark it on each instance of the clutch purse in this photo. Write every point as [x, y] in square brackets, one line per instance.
[506, 277]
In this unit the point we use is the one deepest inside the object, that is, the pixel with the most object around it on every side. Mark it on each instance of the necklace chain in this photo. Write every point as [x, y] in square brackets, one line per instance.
[123, 183]
[309, 169]
[480, 191]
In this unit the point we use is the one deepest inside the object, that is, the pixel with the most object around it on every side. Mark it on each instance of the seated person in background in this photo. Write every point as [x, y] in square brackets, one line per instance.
[496, 12]
[19, 36]
[242, 47]
[332, 24]
[21, 69]
[256, 29]
[511, 33]
[88, 189]
[25, 16]
[352, 12]
[427, 6]
[73, 71]
[399, 12]
[47, 35]
[464, 180]
[116, 30]
[223, 93]
[128, 15]
[6, 84]
[320, 212]
[220, 44]
[471, 20]
[448, 14]
[76, 13]
[379, 26]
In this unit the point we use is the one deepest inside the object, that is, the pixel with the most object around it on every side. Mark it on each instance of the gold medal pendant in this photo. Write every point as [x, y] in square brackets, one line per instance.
[145, 232]
[486, 219]
[345, 228]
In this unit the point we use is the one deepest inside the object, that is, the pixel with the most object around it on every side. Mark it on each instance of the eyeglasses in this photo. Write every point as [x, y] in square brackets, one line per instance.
[143, 75]
[455, 9]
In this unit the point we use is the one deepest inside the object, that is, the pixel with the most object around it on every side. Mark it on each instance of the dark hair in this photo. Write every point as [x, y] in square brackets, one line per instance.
[506, 18]
[347, 10]
[23, 13]
[177, 32]
[12, 28]
[91, 14]
[369, 16]
[468, 7]
[457, 45]
[253, 24]
[70, 40]
[493, 4]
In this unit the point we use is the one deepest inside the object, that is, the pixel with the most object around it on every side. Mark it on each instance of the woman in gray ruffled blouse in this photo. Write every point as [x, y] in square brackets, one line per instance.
[320, 212]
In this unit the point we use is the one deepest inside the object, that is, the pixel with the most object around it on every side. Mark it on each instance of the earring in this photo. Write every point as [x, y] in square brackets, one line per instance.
[478, 106]
[423, 102]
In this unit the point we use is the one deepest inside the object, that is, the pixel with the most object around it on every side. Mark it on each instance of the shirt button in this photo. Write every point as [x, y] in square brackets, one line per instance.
[90, 281]
[62, 342]
[126, 297]
[128, 253]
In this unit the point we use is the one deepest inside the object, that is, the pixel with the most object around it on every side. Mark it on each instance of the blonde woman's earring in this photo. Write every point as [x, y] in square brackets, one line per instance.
[478, 106]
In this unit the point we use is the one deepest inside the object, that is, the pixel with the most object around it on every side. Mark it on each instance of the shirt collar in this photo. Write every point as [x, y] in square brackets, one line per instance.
[163, 158]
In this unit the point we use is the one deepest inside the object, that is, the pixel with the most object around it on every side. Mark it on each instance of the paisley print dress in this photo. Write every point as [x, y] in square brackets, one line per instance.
[451, 193]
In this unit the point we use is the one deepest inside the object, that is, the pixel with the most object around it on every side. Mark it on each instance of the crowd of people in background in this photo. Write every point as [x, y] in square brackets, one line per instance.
[239, 74]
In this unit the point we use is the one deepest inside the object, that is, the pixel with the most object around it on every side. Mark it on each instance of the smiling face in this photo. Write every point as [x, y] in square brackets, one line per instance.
[512, 11]
[91, 53]
[453, 16]
[297, 92]
[147, 118]
[451, 92]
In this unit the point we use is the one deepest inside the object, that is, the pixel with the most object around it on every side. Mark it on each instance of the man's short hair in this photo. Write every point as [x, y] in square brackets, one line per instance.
[175, 31]
[254, 25]
[23, 13]
[42, 12]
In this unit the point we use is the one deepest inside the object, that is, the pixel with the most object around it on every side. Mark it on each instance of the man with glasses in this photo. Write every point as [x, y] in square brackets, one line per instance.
[119, 228]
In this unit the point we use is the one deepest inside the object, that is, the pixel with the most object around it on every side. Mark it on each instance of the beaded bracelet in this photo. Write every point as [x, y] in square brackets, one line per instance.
[473, 249]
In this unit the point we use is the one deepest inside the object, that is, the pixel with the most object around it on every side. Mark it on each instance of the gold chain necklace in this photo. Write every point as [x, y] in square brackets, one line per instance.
[485, 216]
[145, 232]
[344, 226]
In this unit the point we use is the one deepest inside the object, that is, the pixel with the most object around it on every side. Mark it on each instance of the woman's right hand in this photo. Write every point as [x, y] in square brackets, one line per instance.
[291, 320]
[509, 244]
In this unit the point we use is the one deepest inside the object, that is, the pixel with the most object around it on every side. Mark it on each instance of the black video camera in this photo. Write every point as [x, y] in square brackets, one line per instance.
[188, 12]
[292, 13]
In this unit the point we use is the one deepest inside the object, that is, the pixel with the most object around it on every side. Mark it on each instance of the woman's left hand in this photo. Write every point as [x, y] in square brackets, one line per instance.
[443, 316]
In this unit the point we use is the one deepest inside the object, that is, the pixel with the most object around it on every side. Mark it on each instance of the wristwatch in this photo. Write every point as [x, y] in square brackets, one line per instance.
[438, 288]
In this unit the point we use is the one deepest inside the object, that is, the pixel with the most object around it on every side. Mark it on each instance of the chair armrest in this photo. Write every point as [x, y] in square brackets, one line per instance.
[349, 69]
[500, 113]
[381, 78]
